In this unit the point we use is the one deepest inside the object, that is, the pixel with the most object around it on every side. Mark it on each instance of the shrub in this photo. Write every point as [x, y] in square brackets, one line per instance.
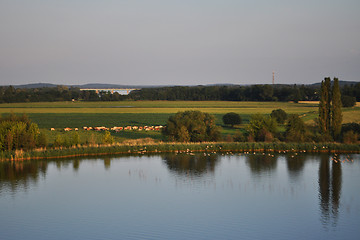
[41, 140]
[75, 139]
[279, 115]
[59, 141]
[91, 140]
[348, 101]
[108, 139]
[295, 129]
[355, 127]
[350, 137]
[192, 126]
[239, 137]
[229, 138]
[232, 119]
[260, 126]
[17, 132]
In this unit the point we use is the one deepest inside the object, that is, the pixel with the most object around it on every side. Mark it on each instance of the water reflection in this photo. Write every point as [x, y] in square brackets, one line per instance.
[295, 164]
[107, 162]
[330, 181]
[76, 164]
[191, 164]
[260, 163]
[65, 163]
[21, 175]
[14, 175]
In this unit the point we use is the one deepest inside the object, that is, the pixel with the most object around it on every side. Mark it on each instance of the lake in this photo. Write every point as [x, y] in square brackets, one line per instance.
[182, 196]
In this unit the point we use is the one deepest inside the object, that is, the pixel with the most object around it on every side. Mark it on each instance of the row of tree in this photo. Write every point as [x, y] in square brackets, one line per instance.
[350, 94]
[229, 93]
[51, 94]
[330, 114]
[244, 93]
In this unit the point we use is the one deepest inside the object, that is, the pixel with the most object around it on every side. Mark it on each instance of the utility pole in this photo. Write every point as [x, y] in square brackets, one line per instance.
[273, 79]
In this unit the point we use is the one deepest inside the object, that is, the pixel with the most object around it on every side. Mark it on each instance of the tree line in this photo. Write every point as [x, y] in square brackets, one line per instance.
[10, 94]
[284, 93]
[350, 94]
[229, 93]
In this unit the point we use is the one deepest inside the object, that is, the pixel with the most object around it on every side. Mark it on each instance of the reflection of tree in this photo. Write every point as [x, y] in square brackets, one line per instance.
[295, 164]
[191, 164]
[261, 163]
[76, 164]
[107, 162]
[324, 187]
[329, 189]
[21, 174]
[336, 187]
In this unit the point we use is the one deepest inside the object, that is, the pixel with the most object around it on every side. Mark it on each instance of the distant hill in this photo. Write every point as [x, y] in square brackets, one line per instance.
[341, 83]
[35, 85]
[89, 85]
[108, 86]
[103, 85]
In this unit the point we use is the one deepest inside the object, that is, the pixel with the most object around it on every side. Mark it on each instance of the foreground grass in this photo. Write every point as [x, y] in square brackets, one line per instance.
[148, 146]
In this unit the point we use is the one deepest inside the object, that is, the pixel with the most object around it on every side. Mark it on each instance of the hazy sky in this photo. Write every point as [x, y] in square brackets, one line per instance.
[185, 42]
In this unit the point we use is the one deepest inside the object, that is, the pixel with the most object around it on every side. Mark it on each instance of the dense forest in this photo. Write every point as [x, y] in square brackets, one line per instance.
[229, 93]
[350, 93]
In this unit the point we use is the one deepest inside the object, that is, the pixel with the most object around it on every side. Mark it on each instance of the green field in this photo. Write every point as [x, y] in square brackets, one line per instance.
[59, 115]
[213, 107]
[157, 104]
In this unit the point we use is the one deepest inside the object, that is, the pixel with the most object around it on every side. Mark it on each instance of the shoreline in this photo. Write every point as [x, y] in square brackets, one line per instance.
[176, 147]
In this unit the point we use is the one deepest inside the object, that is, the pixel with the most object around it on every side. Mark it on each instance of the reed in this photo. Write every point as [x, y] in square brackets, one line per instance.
[145, 147]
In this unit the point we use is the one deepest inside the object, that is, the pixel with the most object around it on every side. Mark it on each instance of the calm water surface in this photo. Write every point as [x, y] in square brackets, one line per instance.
[182, 197]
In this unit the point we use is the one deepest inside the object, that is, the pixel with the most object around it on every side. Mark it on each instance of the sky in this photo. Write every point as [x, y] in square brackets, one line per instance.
[178, 42]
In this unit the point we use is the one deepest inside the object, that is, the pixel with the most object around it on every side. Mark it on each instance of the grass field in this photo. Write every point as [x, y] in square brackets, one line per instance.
[158, 104]
[214, 107]
[140, 113]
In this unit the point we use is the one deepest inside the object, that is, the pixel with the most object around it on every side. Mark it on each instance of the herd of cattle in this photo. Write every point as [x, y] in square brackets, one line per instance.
[115, 129]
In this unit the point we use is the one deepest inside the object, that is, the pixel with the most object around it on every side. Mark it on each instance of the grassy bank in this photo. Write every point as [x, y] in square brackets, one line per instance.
[136, 147]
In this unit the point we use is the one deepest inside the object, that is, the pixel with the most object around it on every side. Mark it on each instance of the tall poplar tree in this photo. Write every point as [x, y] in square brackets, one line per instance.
[324, 106]
[336, 113]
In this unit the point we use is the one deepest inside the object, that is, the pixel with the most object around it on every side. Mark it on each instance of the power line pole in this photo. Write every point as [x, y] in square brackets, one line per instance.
[273, 77]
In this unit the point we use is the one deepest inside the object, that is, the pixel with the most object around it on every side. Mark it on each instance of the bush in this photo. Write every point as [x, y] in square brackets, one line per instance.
[192, 126]
[232, 119]
[295, 129]
[91, 140]
[279, 115]
[350, 137]
[348, 101]
[75, 139]
[239, 137]
[355, 127]
[108, 139]
[262, 128]
[41, 140]
[59, 141]
[17, 132]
